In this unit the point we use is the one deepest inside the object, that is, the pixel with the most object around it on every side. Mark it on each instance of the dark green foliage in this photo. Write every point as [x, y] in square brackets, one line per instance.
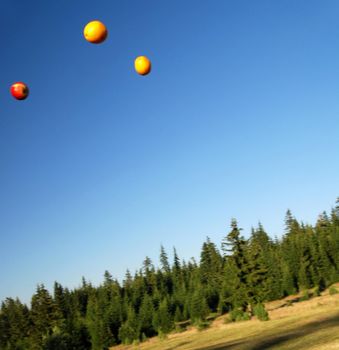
[127, 334]
[211, 273]
[57, 342]
[162, 320]
[164, 260]
[239, 315]
[154, 301]
[260, 312]
[176, 263]
[198, 308]
[145, 317]
[43, 316]
[287, 283]
[129, 331]
[257, 272]
[236, 269]
[94, 321]
[202, 325]
[14, 324]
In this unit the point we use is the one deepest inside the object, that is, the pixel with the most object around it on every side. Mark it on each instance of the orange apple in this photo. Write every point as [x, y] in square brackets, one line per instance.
[142, 65]
[95, 32]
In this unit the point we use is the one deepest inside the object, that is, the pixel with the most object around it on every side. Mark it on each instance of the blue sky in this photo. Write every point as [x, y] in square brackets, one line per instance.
[99, 166]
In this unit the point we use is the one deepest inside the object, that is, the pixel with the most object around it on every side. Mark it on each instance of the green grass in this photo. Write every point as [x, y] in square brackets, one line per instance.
[312, 324]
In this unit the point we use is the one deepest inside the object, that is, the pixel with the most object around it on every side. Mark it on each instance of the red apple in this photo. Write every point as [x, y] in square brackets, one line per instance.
[19, 90]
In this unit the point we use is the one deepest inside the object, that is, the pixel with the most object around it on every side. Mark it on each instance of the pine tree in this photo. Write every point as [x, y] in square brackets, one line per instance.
[129, 331]
[236, 267]
[108, 279]
[257, 283]
[274, 279]
[61, 307]
[82, 296]
[176, 262]
[162, 321]
[57, 341]
[211, 273]
[288, 286]
[148, 272]
[145, 316]
[14, 324]
[335, 214]
[305, 272]
[326, 264]
[43, 316]
[260, 312]
[164, 260]
[97, 322]
[198, 308]
[291, 224]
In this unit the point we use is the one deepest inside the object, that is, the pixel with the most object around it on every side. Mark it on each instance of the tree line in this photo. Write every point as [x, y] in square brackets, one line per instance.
[237, 279]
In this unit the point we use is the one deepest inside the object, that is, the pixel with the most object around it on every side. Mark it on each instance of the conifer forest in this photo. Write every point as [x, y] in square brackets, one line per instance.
[236, 277]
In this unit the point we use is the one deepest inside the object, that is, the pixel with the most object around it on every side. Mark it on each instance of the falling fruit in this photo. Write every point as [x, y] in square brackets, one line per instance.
[19, 90]
[142, 65]
[95, 32]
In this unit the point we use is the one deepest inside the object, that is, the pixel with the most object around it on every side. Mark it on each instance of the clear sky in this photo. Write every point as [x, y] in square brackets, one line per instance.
[99, 166]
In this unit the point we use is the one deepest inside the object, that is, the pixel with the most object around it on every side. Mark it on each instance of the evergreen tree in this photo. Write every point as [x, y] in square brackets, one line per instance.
[61, 307]
[43, 316]
[198, 309]
[176, 262]
[98, 322]
[14, 324]
[57, 341]
[236, 267]
[305, 271]
[164, 260]
[145, 316]
[257, 283]
[211, 273]
[148, 272]
[129, 331]
[335, 214]
[162, 321]
[287, 286]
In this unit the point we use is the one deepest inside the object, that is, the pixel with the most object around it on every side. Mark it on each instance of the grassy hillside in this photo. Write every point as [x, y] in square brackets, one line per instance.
[311, 325]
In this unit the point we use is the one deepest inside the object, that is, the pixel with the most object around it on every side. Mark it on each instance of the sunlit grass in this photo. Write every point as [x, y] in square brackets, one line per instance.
[311, 325]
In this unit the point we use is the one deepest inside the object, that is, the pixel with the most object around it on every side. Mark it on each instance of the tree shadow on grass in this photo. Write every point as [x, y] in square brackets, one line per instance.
[180, 344]
[260, 343]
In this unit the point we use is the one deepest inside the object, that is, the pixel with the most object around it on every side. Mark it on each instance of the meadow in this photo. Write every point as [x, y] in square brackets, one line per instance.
[311, 324]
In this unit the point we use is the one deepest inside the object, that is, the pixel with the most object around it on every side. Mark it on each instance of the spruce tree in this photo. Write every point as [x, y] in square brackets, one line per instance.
[162, 320]
[43, 316]
[176, 262]
[164, 260]
[14, 324]
[145, 316]
[257, 283]
[198, 308]
[129, 331]
[236, 267]
[98, 322]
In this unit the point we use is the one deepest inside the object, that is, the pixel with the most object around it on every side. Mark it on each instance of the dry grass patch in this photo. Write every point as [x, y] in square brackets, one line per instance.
[312, 324]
